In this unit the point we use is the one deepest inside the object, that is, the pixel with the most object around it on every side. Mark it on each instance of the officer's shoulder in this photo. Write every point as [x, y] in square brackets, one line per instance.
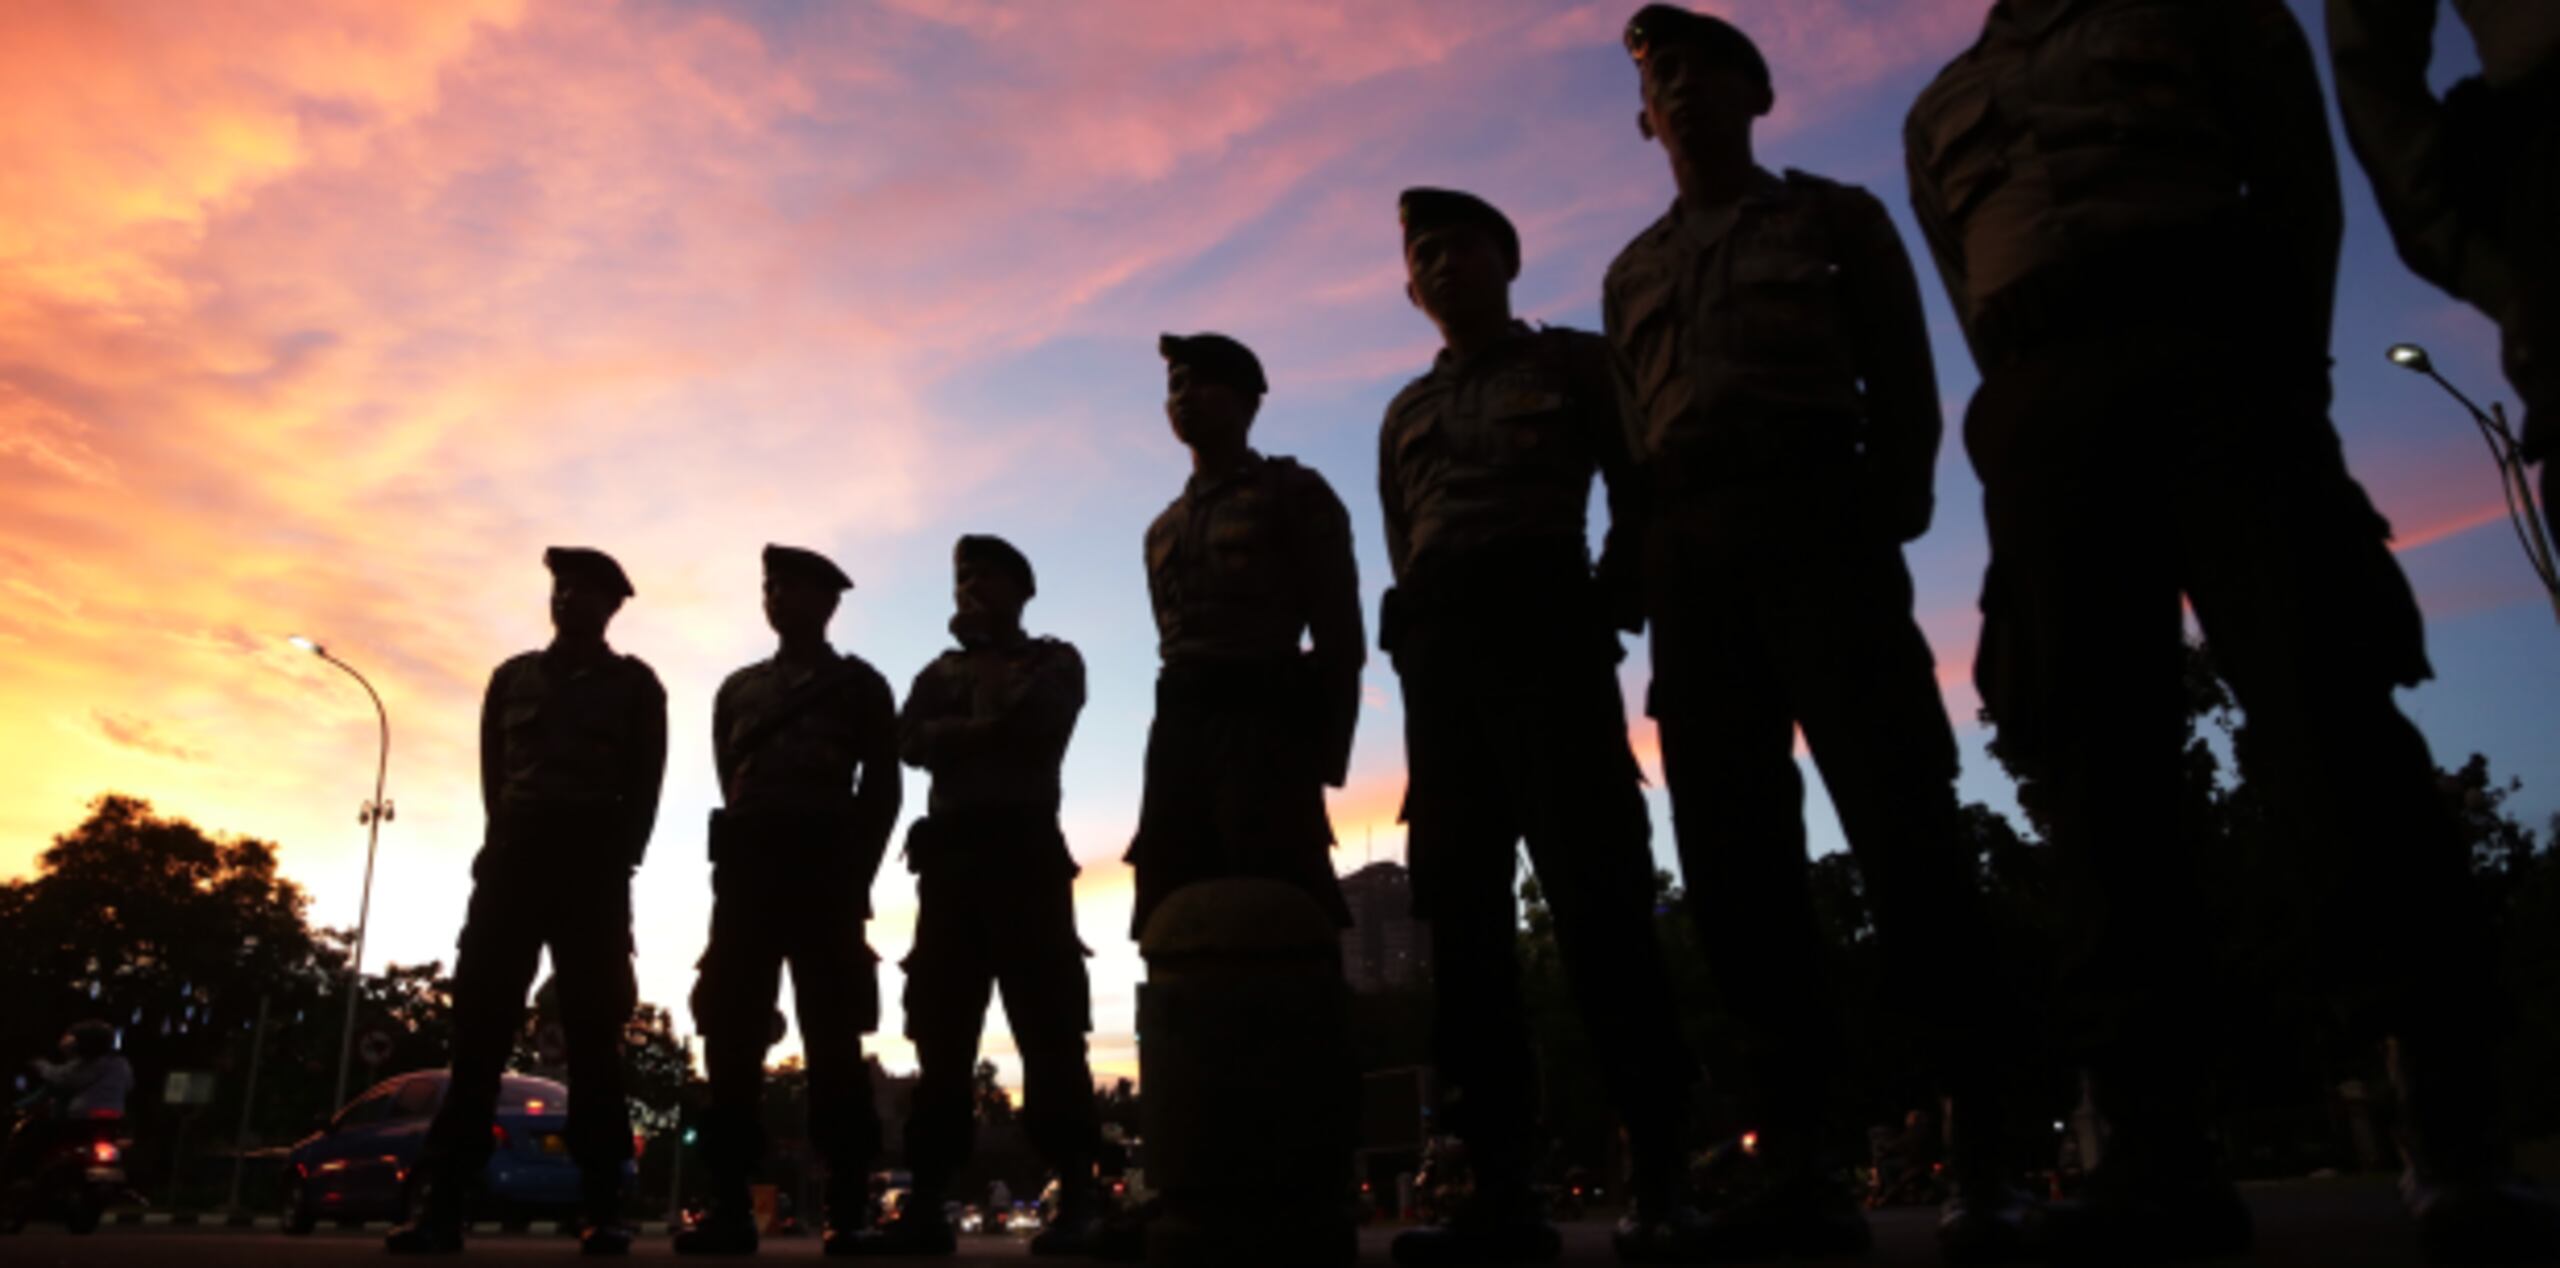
[638, 671]
[744, 674]
[855, 667]
[515, 664]
[1168, 519]
[1838, 199]
[1960, 80]
[1056, 650]
[1641, 250]
[1296, 479]
[1415, 394]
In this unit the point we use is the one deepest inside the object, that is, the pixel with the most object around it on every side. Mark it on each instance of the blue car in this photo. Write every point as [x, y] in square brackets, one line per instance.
[360, 1166]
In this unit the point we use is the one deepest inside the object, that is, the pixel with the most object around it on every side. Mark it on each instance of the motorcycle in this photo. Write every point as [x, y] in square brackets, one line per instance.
[61, 1168]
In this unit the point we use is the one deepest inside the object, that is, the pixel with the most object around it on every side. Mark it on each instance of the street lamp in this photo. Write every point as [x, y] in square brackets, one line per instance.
[2523, 508]
[373, 814]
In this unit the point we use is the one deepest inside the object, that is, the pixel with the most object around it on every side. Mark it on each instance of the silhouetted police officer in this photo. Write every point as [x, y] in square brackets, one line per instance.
[995, 890]
[2135, 208]
[573, 745]
[1252, 558]
[1506, 642]
[2470, 185]
[1786, 412]
[806, 745]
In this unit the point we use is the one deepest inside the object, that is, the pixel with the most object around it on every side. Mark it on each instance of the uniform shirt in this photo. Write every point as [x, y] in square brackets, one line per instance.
[2517, 38]
[1782, 326]
[992, 725]
[1246, 563]
[94, 1087]
[1501, 450]
[2086, 125]
[835, 752]
[2381, 50]
[568, 731]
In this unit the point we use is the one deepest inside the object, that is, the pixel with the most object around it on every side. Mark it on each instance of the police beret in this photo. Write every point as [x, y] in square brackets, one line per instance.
[985, 548]
[1662, 25]
[804, 565]
[1220, 358]
[587, 564]
[1423, 210]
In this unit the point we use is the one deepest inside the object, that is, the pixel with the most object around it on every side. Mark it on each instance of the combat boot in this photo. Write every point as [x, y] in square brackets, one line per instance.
[2155, 1196]
[727, 1227]
[1077, 1227]
[1985, 1218]
[917, 1229]
[848, 1213]
[1663, 1225]
[2122, 1217]
[1664, 1229]
[2459, 1183]
[1498, 1224]
[435, 1223]
[602, 1230]
[1805, 1214]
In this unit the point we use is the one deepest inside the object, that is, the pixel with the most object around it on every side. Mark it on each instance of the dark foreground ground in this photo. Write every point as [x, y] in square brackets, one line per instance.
[2335, 1224]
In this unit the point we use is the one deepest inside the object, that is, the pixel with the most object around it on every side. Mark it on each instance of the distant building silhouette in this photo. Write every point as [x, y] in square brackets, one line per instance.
[1386, 947]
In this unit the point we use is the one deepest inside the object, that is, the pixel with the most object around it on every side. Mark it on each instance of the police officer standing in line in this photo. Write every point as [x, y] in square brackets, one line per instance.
[995, 891]
[1786, 412]
[806, 745]
[1255, 554]
[573, 746]
[1507, 644]
[2135, 209]
[2470, 185]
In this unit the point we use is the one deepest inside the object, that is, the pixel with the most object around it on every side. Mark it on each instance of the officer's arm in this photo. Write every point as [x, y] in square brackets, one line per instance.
[1041, 714]
[1929, 210]
[1890, 340]
[493, 738]
[1391, 497]
[724, 755]
[646, 774]
[2263, 70]
[924, 723]
[1330, 590]
[2379, 50]
[1606, 393]
[882, 789]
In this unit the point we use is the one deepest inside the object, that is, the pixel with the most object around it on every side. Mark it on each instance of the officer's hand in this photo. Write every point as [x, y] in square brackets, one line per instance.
[2532, 363]
[1621, 587]
[1898, 515]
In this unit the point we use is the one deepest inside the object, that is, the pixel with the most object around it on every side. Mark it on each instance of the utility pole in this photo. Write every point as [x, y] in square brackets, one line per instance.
[248, 1099]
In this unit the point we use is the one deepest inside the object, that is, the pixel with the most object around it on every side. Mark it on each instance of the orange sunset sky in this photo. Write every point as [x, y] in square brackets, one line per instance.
[328, 317]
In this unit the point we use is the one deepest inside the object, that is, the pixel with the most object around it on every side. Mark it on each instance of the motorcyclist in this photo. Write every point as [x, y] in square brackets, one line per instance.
[92, 1079]
[90, 1082]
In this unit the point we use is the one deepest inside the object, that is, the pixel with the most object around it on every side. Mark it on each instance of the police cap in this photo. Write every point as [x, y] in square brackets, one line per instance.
[1423, 210]
[1665, 25]
[988, 550]
[794, 564]
[1217, 358]
[589, 565]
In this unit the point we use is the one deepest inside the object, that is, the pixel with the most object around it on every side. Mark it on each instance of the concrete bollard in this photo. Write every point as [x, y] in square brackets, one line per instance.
[1251, 1104]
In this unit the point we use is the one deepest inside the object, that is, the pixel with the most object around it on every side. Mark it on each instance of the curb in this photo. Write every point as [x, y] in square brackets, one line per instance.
[271, 1223]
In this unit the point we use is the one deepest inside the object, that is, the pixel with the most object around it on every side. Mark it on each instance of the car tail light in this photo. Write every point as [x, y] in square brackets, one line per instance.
[105, 1151]
[639, 1145]
[498, 1136]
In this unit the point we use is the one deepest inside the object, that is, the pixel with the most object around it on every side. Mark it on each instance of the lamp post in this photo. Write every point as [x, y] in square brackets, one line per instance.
[373, 814]
[2523, 509]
